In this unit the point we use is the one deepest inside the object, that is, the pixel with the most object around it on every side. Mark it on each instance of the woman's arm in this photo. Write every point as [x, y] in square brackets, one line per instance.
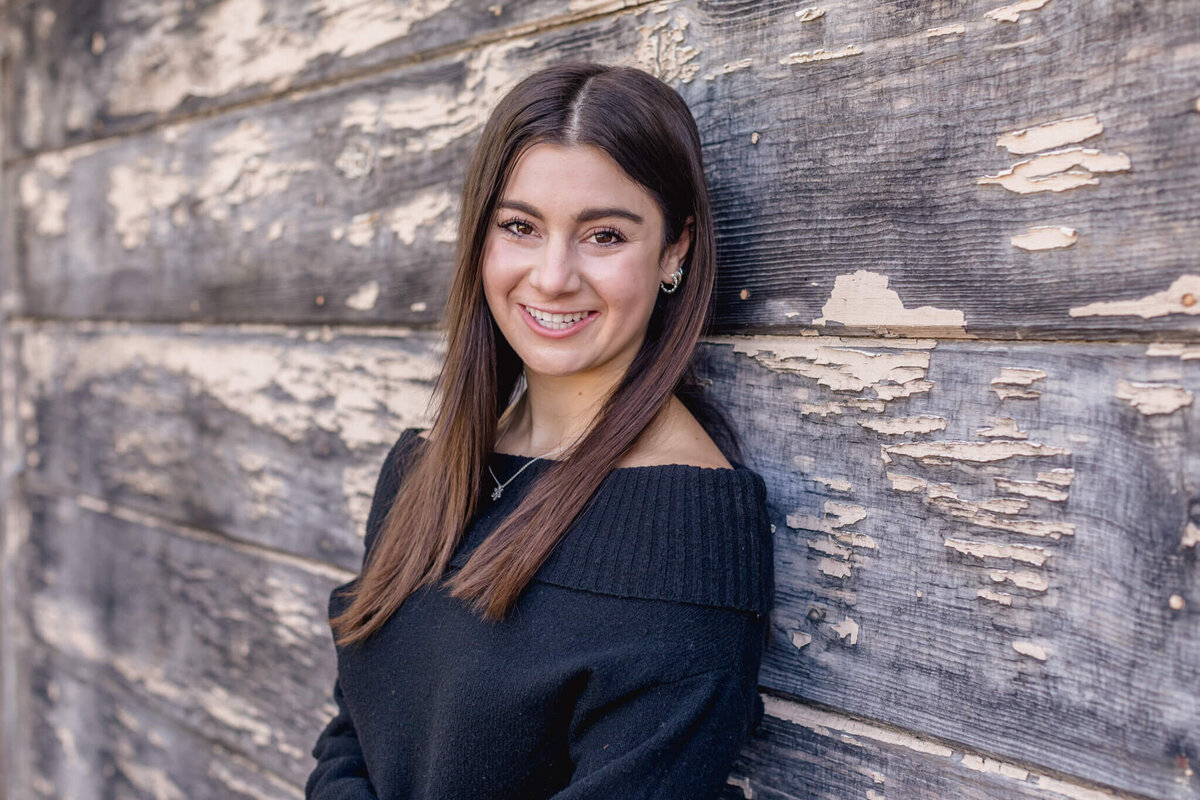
[666, 741]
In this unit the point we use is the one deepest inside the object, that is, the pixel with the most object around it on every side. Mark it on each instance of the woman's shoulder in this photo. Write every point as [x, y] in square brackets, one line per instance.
[675, 437]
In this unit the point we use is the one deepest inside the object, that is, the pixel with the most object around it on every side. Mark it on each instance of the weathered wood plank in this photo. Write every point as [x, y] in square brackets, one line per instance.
[272, 437]
[222, 642]
[109, 69]
[805, 752]
[94, 739]
[995, 544]
[1022, 516]
[850, 180]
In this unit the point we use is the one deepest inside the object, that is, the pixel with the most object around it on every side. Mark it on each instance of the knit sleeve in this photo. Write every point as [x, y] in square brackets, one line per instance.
[341, 769]
[668, 741]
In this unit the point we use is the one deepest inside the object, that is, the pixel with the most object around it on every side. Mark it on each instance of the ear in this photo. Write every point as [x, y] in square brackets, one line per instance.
[674, 253]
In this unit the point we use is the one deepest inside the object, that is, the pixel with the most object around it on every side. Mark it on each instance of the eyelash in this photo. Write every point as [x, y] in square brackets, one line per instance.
[520, 221]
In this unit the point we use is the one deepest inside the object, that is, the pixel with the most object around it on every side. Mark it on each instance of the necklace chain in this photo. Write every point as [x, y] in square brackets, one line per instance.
[499, 490]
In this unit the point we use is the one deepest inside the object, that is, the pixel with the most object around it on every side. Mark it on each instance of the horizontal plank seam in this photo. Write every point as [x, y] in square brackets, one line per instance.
[77, 667]
[382, 68]
[890, 730]
[99, 505]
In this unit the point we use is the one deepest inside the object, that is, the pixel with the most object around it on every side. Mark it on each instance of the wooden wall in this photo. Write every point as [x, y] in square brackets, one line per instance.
[957, 328]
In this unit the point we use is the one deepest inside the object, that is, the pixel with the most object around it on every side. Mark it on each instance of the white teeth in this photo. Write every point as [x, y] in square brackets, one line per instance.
[555, 321]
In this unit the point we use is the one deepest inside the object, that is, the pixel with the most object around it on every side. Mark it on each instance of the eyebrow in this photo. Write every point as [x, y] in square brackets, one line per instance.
[587, 215]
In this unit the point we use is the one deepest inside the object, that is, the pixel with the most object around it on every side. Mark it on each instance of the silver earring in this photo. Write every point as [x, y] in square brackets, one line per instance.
[674, 282]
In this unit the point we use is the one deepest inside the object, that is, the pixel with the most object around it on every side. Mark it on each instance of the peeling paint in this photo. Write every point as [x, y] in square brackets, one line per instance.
[1173, 300]
[1046, 136]
[800, 639]
[1030, 649]
[1003, 598]
[1008, 385]
[844, 513]
[862, 299]
[137, 195]
[1058, 171]
[855, 539]
[46, 206]
[847, 629]
[822, 722]
[1153, 398]
[662, 51]
[1025, 579]
[820, 54]
[1025, 553]
[1059, 476]
[901, 426]
[1012, 13]
[732, 66]
[1031, 489]
[906, 483]
[1045, 237]
[993, 767]
[1005, 427]
[835, 484]
[364, 297]
[1173, 350]
[423, 210]
[816, 12]
[832, 568]
[946, 30]
[1191, 535]
[829, 548]
[1005, 392]
[975, 452]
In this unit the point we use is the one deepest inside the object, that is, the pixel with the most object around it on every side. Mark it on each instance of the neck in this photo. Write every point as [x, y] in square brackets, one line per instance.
[551, 415]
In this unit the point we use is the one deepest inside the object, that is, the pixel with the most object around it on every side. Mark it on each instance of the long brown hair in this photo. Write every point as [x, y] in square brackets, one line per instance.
[647, 128]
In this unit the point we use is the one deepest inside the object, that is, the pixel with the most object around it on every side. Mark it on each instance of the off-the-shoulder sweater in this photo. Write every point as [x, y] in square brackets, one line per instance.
[626, 670]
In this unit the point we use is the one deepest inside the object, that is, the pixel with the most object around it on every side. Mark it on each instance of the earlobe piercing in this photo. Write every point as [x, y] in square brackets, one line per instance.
[675, 278]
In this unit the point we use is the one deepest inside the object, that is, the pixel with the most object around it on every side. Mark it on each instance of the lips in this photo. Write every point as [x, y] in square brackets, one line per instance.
[556, 323]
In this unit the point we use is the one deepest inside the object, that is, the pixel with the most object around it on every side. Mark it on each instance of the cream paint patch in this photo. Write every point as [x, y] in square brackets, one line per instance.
[364, 297]
[160, 67]
[1173, 350]
[946, 30]
[1153, 398]
[1030, 649]
[421, 211]
[820, 54]
[137, 196]
[45, 205]
[863, 299]
[993, 767]
[800, 640]
[1045, 237]
[834, 484]
[847, 629]
[1180, 298]
[1051, 134]
[1025, 553]
[1025, 579]
[1012, 382]
[663, 53]
[1002, 427]
[1058, 171]
[1191, 535]
[814, 13]
[823, 723]
[732, 66]
[1012, 13]
[991, 595]
[973, 452]
[1031, 489]
[902, 426]
[240, 169]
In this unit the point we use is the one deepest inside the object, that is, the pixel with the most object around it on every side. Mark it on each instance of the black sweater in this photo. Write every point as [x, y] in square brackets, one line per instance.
[626, 670]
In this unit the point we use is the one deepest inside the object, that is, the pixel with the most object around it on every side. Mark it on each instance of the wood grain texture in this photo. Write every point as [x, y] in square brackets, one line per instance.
[846, 156]
[986, 542]
[91, 70]
[203, 641]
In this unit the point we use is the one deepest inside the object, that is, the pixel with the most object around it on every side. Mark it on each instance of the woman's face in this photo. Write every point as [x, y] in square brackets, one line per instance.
[572, 262]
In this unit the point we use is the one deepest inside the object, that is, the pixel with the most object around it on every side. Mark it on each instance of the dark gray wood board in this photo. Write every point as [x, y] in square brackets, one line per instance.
[91, 70]
[1111, 703]
[1002, 555]
[805, 753]
[846, 185]
[93, 738]
[268, 437]
[227, 644]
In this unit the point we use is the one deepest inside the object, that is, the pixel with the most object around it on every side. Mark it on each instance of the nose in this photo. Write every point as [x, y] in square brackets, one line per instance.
[554, 270]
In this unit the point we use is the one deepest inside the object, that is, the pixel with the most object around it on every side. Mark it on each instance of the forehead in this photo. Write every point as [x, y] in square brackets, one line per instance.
[559, 179]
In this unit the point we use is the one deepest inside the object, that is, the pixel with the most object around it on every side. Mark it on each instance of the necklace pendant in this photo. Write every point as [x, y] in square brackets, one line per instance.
[496, 493]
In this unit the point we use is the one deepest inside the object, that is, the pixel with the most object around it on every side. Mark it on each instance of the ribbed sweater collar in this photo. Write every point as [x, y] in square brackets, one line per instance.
[673, 532]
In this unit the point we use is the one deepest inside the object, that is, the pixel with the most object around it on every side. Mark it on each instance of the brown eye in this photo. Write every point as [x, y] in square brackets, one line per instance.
[524, 228]
[607, 237]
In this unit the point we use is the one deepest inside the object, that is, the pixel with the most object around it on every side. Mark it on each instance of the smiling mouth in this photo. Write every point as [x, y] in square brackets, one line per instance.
[556, 321]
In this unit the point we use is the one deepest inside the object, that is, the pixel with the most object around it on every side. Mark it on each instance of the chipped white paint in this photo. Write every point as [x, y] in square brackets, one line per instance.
[46, 206]
[742, 783]
[241, 168]
[847, 629]
[1025, 579]
[1002, 427]
[820, 54]
[862, 299]
[855, 539]
[1012, 13]
[1173, 350]
[813, 13]
[832, 568]
[1191, 535]
[993, 767]
[1058, 171]
[418, 306]
[835, 484]
[823, 722]
[1008, 385]
[364, 297]
[844, 513]
[359, 232]
[1026, 553]
[663, 53]
[906, 483]
[732, 66]
[901, 426]
[946, 30]
[137, 195]
[829, 548]
[1030, 649]
[974, 452]
[423, 210]
[1049, 135]
[800, 639]
[1045, 237]
[1179, 298]
[1060, 476]
[1153, 398]
[1003, 598]
[151, 781]
[1006, 392]
[252, 45]
[1031, 489]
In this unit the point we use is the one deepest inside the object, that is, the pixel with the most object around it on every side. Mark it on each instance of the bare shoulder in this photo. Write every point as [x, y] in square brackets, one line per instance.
[679, 438]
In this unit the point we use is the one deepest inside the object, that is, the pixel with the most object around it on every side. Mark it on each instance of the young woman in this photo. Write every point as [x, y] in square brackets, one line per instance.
[566, 582]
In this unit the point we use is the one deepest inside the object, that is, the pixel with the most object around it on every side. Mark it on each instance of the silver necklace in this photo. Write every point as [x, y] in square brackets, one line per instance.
[499, 490]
